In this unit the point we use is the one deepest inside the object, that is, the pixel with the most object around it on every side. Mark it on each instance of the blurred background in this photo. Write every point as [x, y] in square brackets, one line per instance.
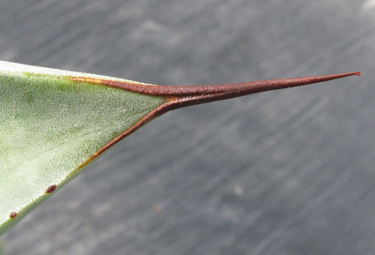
[283, 172]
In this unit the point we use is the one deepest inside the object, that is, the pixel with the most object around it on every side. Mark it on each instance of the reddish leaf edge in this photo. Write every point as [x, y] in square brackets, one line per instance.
[183, 96]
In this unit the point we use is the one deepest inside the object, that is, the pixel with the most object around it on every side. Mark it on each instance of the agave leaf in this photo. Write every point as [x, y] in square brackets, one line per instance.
[53, 122]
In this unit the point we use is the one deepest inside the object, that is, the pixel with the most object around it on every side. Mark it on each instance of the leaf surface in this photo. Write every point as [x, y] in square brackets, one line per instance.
[50, 126]
[53, 122]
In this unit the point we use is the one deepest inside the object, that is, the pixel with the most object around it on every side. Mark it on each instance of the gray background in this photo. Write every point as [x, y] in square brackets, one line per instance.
[283, 172]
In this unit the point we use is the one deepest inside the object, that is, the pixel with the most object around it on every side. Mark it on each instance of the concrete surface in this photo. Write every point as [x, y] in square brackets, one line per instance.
[283, 172]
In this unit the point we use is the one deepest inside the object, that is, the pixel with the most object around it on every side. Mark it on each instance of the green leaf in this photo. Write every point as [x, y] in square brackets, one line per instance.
[50, 126]
[53, 122]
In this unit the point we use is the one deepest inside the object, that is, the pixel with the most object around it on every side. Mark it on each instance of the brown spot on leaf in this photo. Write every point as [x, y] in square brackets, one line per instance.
[13, 215]
[51, 188]
[86, 79]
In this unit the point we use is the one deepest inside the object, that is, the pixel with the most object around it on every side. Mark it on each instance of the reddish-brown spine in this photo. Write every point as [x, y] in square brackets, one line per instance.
[182, 96]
